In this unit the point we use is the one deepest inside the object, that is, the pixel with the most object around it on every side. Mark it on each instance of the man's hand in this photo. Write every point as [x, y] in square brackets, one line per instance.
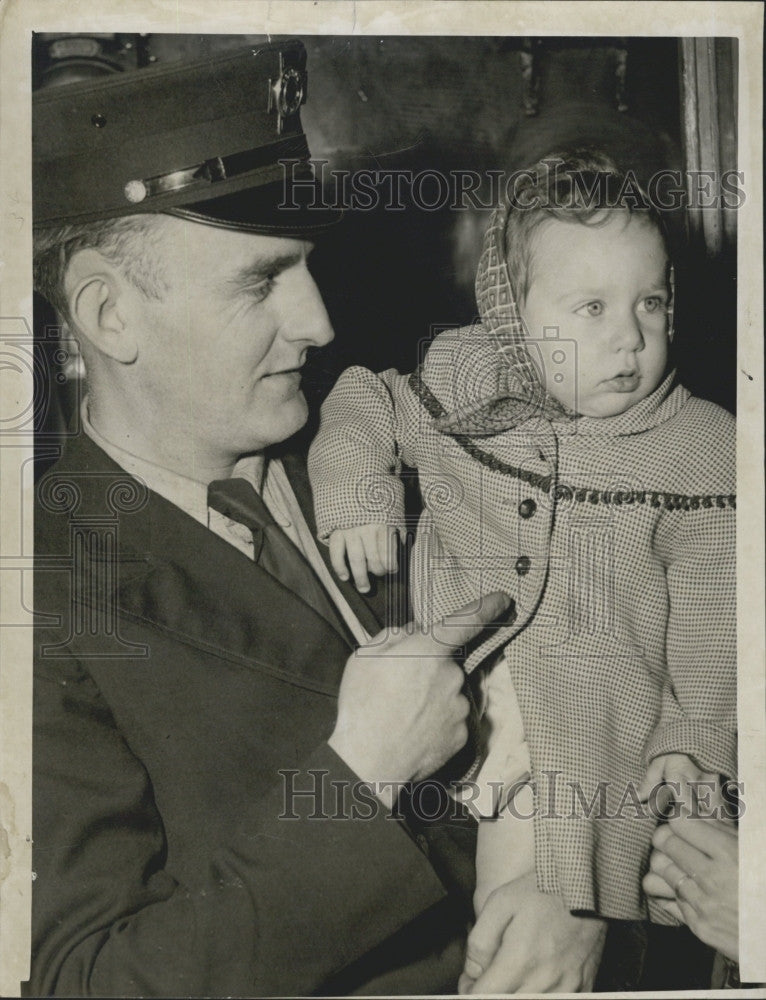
[401, 714]
[527, 941]
[370, 548]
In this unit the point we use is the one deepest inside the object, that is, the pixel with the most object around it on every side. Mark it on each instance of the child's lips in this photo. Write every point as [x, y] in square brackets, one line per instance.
[625, 382]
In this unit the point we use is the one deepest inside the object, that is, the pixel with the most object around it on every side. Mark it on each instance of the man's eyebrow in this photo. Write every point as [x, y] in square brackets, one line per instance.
[264, 265]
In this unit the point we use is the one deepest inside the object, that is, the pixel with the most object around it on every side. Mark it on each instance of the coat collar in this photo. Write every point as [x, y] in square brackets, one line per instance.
[656, 408]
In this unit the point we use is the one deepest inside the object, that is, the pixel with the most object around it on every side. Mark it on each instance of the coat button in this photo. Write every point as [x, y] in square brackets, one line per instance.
[522, 565]
[527, 507]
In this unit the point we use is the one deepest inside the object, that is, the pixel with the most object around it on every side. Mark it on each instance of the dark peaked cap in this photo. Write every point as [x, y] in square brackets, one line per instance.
[201, 140]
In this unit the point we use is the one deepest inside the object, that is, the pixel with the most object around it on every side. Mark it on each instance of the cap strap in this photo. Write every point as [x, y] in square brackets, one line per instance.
[216, 169]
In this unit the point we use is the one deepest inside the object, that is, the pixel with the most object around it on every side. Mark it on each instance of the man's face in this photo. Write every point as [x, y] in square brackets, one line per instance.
[220, 355]
[603, 287]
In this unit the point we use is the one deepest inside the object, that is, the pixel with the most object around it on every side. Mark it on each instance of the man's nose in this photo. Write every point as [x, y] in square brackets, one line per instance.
[307, 319]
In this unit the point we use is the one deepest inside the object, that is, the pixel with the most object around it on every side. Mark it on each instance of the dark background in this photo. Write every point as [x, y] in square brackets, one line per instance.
[390, 278]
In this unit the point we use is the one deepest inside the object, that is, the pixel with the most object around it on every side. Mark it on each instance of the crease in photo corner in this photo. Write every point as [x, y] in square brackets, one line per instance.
[14, 816]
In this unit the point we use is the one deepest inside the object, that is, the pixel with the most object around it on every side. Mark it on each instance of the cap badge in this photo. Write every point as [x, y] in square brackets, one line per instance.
[287, 93]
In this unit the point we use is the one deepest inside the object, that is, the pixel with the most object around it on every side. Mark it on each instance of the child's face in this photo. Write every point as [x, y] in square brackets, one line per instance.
[605, 289]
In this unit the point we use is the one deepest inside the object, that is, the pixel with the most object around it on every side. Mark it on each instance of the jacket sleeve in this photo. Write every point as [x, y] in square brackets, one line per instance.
[278, 908]
[371, 423]
[699, 700]
[368, 426]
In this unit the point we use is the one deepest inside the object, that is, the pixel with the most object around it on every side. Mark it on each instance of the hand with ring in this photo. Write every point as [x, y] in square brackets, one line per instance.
[680, 882]
[694, 873]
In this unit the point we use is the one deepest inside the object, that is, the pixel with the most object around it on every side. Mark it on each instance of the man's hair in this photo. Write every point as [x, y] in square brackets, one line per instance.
[584, 186]
[131, 243]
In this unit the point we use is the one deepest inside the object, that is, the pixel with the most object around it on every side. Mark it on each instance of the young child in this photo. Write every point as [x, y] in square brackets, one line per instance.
[559, 460]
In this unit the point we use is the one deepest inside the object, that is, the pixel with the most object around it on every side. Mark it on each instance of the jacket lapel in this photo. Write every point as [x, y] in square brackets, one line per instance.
[175, 574]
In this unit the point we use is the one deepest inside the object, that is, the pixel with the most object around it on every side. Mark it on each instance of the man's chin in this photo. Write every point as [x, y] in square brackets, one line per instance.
[288, 418]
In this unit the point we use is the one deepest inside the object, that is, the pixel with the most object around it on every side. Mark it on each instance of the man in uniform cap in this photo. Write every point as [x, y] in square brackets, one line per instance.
[203, 727]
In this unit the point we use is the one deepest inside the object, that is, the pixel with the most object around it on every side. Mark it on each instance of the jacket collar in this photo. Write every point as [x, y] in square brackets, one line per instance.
[191, 497]
[659, 406]
[175, 574]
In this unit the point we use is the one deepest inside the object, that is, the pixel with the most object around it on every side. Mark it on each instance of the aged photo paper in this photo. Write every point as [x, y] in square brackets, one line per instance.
[382, 97]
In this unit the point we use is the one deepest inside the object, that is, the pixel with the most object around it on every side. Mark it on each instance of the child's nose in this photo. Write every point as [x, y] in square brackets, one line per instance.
[627, 335]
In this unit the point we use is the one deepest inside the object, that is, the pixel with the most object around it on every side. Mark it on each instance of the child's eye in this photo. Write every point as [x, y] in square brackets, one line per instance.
[652, 304]
[594, 308]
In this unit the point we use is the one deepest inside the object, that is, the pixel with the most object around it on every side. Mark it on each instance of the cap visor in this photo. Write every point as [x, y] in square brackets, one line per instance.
[273, 209]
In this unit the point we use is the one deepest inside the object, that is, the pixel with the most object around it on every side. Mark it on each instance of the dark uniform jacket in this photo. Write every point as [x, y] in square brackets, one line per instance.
[181, 693]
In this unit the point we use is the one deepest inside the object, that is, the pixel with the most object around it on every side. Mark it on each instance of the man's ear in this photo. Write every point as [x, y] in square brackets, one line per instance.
[99, 305]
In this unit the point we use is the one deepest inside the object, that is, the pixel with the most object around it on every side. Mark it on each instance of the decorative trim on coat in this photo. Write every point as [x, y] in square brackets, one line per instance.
[655, 498]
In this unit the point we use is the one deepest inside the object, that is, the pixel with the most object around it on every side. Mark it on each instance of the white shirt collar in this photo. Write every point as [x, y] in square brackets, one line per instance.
[191, 497]
[186, 493]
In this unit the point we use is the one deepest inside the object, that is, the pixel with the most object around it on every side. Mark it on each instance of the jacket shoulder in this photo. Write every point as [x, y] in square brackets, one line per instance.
[705, 446]
[710, 419]
[463, 366]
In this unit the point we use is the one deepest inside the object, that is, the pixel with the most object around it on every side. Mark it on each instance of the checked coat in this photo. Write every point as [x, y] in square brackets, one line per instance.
[615, 537]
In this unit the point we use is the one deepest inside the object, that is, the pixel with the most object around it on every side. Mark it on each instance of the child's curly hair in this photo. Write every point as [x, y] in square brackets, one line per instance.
[582, 186]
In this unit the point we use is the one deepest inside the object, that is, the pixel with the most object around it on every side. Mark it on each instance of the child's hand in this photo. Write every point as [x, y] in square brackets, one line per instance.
[694, 788]
[370, 548]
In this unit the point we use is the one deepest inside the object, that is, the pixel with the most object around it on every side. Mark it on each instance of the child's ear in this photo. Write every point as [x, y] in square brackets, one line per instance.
[97, 294]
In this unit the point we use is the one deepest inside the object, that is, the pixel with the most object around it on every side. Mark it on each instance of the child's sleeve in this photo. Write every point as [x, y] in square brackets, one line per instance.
[699, 701]
[368, 427]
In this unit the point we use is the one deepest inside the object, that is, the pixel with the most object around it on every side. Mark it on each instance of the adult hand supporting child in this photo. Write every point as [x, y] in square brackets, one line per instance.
[694, 875]
[526, 941]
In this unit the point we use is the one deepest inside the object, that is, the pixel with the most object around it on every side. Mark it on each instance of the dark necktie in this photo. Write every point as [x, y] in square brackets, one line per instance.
[273, 552]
